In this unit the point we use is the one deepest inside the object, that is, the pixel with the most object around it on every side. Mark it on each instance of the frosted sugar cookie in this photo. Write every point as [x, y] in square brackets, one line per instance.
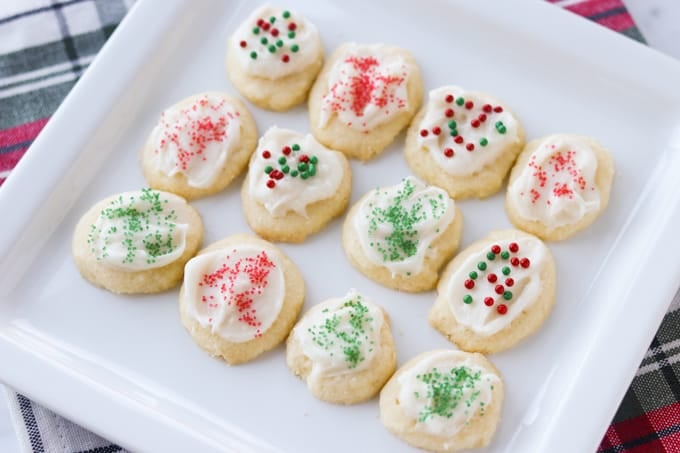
[464, 142]
[496, 292]
[273, 57]
[294, 187]
[199, 145]
[240, 297]
[559, 185]
[343, 349]
[400, 236]
[137, 242]
[443, 400]
[364, 96]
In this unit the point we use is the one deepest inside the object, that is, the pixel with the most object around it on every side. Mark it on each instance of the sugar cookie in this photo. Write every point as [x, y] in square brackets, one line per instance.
[363, 98]
[559, 186]
[137, 242]
[443, 401]
[274, 57]
[199, 145]
[496, 292]
[240, 297]
[343, 349]
[400, 236]
[294, 187]
[464, 142]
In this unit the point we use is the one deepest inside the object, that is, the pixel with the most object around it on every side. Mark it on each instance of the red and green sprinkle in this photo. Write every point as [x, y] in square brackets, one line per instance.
[273, 36]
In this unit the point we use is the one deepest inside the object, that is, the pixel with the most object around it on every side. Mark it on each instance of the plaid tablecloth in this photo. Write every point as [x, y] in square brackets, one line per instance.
[44, 48]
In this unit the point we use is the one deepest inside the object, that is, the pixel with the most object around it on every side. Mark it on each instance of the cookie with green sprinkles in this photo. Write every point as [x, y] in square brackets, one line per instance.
[444, 400]
[464, 142]
[295, 186]
[273, 57]
[343, 349]
[496, 292]
[400, 236]
[137, 242]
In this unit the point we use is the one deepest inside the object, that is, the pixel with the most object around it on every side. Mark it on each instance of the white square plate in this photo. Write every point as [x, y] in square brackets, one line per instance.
[125, 368]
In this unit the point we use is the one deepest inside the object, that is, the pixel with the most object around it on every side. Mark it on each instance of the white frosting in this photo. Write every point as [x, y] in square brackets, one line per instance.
[291, 192]
[483, 131]
[397, 224]
[470, 391]
[340, 336]
[196, 139]
[238, 291]
[139, 230]
[525, 287]
[293, 38]
[557, 185]
[366, 87]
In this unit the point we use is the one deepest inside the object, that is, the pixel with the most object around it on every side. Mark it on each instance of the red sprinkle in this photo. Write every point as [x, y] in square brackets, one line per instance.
[488, 301]
[469, 284]
[286, 150]
[475, 123]
[502, 309]
[487, 108]
[423, 132]
[279, 174]
[482, 117]
[436, 130]
[498, 109]
[243, 43]
[448, 152]
[266, 154]
[271, 184]
[275, 32]
[260, 21]
[458, 139]
[285, 58]
[514, 261]
[265, 26]
[449, 98]
[292, 26]
[514, 247]
[470, 146]
[509, 281]
[449, 113]
[492, 278]
[499, 289]
[469, 105]
[525, 263]
[304, 158]
[496, 249]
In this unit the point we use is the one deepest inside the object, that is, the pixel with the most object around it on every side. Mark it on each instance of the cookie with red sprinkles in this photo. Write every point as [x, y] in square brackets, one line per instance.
[496, 292]
[273, 57]
[240, 298]
[365, 95]
[199, 145]
[464, 142]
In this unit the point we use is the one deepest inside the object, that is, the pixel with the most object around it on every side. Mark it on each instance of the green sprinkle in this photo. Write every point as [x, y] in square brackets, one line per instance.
[314, 160]
[279, 43]
[256, 30]
[295, 147]
[473, 275]
[467, 299]
[302, 166]
[312, 170]
[481, 266]
[285, 169]
[507, 295]
[505, 270]
[286, 14]
[253, 55]
[272, 20]
[291, 34]
[304, 175]
[268, 169]
[272, 48]
[282, 160]
[294, 173]
[294, 48]
[491, 256]
[483, 141]
[264, 40]
[505, 254]
[448, 390]
[454, 133]
[500, 127]
[453, 124]
[460, 101]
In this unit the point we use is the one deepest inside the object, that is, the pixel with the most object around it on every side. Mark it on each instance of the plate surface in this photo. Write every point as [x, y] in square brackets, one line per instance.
[125, 368]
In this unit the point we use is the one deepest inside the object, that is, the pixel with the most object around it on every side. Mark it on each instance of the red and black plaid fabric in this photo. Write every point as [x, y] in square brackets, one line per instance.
[60, 38]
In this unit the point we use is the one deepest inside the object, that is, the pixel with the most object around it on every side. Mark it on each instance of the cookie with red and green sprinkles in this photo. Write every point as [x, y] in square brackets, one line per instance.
[444, 400]
[400, 236]
[137, 242]
[199, 145]
[364, 96]
[464, 142]
[294, 186]
[343, 349]
[240, 298]
[273, 57]
[496, 292]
